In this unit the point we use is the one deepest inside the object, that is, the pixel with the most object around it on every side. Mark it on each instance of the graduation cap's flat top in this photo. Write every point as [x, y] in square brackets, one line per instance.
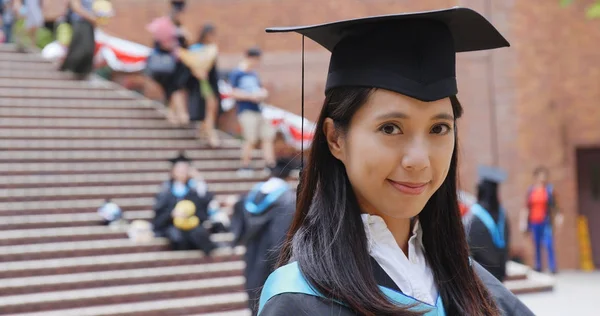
[180, 158]
[491, 174]
[412, 54]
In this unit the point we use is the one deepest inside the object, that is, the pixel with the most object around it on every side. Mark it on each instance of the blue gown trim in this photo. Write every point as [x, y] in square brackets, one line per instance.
[259, 208]
[496, 230]
[289, 279]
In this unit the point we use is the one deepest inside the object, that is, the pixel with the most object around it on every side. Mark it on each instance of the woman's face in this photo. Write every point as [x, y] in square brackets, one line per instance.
[396, 152]
[181, 171]
[211, 37]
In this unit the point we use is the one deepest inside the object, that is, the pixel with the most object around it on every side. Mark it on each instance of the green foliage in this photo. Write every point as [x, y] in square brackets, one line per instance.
[591, 12]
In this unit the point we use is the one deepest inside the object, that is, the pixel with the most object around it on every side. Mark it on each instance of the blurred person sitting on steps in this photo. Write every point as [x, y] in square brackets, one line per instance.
[182, 208]
[249, 93]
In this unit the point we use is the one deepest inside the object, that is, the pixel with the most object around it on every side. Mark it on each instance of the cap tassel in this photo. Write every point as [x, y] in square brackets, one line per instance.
[301, 126]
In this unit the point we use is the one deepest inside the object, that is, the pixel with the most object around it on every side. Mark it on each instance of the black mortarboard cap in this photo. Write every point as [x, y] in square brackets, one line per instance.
[491, 174]
[412, 53]
[181, 157]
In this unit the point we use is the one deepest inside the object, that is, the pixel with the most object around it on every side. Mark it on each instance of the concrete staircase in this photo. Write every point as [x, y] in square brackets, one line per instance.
[68, 145]
[65, 147]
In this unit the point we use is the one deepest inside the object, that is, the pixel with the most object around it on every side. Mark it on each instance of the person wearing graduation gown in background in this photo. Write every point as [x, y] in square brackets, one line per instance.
[185, 185]
[261, 220]
[486, 225]
[377, 229]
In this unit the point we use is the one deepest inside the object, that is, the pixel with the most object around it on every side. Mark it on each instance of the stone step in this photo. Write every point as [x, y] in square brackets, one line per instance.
[217, 304]
[46, 235]
[22, 133]
[79, 249]
[49, 113]
[78, 104]
[119, 262]
[532, 284]
[61, 193]
[35, 167]
[31, 64]
[63, 282]
[515, 271]
[53, 84]
[34, 74]
[13, 56]
[70, 234]
[17, 222]
[44, 181]
[240, 312]
[107, 144]
[44, 93]
[119, 294]
[202, 155]
[84, 123]
[80, 205]
[522, 279]
[8, 48]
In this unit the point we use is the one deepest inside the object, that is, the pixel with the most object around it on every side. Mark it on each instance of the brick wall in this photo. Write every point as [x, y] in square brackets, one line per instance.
[541, 91]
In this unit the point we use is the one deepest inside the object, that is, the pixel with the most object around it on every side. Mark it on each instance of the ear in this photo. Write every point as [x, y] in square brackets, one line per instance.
[334, 140]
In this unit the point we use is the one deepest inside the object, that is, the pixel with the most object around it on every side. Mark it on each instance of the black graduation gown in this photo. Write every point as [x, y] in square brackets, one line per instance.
[482, 247]
[263, 236]
[197, 238]
[303, 304]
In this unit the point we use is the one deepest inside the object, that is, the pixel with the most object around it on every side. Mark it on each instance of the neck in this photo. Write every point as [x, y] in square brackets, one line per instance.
[400, 229]
[244, 66]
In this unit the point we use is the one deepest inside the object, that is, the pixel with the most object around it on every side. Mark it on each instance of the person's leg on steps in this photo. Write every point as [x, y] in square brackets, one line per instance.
[200, 239]
[211, 109]
[537, 234]
[267, 135]
[250, 132]
[549, 245]
[178, 104]
[176, 238]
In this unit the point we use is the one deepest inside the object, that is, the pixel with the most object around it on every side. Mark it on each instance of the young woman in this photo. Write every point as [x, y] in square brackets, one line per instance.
[377, 230]
[203, 87]
[486, 224]
[186, 186]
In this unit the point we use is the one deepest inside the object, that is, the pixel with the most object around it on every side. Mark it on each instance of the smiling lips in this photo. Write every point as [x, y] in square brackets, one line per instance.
[411, 188]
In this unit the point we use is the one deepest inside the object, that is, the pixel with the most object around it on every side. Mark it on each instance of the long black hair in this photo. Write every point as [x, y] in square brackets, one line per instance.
[487, 196]
[328, 240]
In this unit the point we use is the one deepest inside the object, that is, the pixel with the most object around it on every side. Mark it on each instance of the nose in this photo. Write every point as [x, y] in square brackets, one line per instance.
[416, 155]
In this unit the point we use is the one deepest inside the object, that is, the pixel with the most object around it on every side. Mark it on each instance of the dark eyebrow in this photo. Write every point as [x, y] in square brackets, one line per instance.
[400, 115]
[392, 115]
[443, 116]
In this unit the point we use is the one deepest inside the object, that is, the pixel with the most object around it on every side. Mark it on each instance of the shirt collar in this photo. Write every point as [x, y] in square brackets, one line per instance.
[377, 231]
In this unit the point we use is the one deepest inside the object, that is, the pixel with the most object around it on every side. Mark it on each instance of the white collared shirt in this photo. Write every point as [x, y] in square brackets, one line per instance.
[414, 277]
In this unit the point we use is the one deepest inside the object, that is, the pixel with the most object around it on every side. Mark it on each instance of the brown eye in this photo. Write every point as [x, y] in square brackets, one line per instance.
[390, 129]
[440, 129]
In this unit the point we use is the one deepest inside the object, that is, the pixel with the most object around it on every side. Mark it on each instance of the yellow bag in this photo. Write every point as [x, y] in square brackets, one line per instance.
[64, 33]
[189, 220]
